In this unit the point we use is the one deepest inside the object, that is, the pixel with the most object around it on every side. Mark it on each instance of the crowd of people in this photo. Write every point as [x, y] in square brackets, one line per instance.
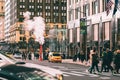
[29, 56]
[109, 60]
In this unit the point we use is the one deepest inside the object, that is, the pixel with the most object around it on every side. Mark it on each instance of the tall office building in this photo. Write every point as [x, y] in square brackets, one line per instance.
[53, 11]
[102, 30]
[2, 2]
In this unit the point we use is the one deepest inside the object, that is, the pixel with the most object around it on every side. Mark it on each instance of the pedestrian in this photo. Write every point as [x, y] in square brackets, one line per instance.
[95, 61]
[109, 60]
[82, 57]
[75, 58]
[79, 56]
[29, 56]
[23, 56]
[32, 56]
[117, 61]
[104, 60]
[90, 60]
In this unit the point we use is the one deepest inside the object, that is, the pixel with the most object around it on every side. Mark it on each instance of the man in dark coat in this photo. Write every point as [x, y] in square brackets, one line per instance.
[104, 60]
[117, 61]
[109, 59]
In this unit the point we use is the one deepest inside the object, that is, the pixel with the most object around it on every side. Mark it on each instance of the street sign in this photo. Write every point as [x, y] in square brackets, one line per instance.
[83, 26]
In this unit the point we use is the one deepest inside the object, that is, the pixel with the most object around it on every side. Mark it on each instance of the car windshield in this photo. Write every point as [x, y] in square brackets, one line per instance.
[25, 73]
[36, 75]
[56, 54]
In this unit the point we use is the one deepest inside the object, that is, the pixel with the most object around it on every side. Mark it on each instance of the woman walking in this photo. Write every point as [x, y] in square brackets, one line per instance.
[95, 62]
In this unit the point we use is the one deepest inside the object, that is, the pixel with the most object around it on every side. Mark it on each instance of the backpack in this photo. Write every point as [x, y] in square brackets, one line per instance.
[95, 58]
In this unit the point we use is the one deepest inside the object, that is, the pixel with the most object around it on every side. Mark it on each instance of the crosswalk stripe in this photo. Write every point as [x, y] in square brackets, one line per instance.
[65, 75]
[72, 74]
[91, 75]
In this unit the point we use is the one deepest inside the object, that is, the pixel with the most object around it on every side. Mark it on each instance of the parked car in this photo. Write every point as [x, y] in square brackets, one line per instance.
[54, 57]
[12, 69]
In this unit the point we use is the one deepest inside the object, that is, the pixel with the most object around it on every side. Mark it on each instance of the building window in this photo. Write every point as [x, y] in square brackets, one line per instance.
[47, 1]
[47, 13]
[22, 38]
[55, 7]
[95, 7]
[2, 7]
[22, 6]
[76, 13]
[55, 14]
[76, 1]
[39, 13]
[21, 13]
[31, 33]
[31, 0]
[64, 8]
[55, 26]
[47, 7]
[47, 20]
[70, 15]
[63, 26]
[70, 2]
[22, 32]
[39, 6]
[32, 13]
[55, 1]
[39, 1]
[63, 0]
[30, 7]
[20, 0]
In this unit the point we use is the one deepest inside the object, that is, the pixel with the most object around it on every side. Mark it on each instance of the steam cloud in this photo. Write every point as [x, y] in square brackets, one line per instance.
[37, 24]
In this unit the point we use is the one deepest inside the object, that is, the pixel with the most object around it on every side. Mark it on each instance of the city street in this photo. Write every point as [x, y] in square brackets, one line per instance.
[76, 34]
[76, 71]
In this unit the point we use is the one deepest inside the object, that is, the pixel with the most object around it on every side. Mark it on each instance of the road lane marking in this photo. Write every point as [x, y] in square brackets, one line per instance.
[91, 75]
[104, 78]
[65, 75]
[73, 74]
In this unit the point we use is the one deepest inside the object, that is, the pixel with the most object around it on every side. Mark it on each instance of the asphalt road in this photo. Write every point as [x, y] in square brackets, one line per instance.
[77, 72]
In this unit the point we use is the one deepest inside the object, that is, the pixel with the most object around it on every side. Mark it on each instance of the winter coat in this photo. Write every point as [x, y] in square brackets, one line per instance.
[95, 58]
[117, 59]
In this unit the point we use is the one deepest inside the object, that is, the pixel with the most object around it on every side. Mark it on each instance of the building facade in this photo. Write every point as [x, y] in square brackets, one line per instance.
[102, 30]
[2, 3]
[53, 11]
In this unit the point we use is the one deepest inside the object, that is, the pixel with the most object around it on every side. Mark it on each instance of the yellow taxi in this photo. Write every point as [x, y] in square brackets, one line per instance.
[54, 57]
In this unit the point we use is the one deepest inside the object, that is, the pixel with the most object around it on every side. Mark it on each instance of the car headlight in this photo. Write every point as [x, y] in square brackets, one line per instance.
[59, 76]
